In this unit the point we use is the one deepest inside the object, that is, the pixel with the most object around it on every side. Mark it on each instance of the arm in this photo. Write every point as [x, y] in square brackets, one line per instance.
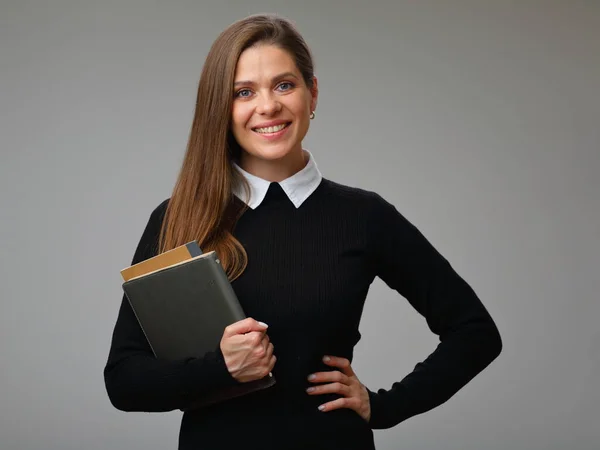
[469, 339]
[135, 380]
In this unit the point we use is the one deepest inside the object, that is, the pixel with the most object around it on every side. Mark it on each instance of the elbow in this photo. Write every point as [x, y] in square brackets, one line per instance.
[497, 343]
[128, 401]
[129, 397]
[123, 392]
[131, 387]
[482, 343]
[121, 404]
[491, 342]
[119, 397]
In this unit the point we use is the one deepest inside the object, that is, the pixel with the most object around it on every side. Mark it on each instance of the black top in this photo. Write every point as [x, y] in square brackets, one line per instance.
[309, 271]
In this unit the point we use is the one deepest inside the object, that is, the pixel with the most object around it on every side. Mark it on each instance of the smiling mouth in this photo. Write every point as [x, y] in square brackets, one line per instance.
[271, 130]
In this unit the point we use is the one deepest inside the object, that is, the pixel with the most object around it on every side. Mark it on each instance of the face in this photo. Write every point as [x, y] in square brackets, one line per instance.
[271, 106]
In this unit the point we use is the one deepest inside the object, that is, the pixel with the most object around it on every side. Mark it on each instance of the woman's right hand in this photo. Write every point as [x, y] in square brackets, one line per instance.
[247, 350]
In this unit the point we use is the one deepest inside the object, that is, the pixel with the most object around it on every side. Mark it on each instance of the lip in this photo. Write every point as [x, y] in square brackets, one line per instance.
[276, 135]
[272, 123]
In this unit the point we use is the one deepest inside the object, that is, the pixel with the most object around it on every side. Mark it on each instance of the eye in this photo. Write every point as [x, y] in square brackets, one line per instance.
[285, 86]
[243, 93]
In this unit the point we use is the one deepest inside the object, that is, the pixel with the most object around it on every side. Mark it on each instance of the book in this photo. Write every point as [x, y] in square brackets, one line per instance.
[178, 254]
[183, 308]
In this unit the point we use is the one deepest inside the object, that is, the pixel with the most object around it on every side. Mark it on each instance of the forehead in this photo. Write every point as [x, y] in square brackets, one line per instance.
[264, 62]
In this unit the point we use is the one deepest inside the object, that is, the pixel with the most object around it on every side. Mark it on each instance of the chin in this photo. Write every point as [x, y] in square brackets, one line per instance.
[270, 154]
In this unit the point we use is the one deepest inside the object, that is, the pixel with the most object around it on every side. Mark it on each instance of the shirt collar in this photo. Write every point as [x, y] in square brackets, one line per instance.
[298, 187]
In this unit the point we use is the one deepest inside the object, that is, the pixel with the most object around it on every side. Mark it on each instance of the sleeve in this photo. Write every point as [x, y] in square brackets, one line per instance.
[469, 339]
[137, 381]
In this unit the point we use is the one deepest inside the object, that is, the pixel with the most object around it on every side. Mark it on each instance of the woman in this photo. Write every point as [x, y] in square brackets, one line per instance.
[301, 252]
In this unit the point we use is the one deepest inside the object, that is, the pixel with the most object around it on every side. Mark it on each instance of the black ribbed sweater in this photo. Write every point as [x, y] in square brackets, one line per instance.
[309, 271]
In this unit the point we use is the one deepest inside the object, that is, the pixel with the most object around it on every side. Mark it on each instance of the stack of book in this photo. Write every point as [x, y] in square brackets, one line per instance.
[183, 302]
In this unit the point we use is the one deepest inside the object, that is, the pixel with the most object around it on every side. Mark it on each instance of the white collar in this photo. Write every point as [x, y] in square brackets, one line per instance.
[298, 187]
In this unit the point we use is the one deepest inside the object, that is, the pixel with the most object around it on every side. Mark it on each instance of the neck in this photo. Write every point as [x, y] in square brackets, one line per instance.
[274, 170]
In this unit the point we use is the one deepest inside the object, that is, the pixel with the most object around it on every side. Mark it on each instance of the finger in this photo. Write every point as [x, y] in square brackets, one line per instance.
[256, 339]
[244, 326]
[340, 403]
[341, 363]
[270, 350]
[266, 360]
[257, 344]
[329, 377]
[330, 388]
[266, 343]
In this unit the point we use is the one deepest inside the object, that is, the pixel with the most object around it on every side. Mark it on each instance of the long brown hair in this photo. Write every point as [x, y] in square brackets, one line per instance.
[201, 206]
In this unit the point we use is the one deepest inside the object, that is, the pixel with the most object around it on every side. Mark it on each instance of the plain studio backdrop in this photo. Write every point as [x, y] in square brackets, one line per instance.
[479, 120]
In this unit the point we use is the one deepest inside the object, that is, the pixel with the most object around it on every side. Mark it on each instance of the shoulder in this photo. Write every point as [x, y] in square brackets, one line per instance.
[342, 191]
[158, 213]
[366, 206]
[148, 244]
[357, 197]
[154, 224]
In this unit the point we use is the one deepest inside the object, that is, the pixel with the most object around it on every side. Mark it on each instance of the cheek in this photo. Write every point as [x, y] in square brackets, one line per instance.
[239, 119]
[302, 113]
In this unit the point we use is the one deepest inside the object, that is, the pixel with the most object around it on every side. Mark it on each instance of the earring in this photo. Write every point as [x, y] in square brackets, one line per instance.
[312, 115]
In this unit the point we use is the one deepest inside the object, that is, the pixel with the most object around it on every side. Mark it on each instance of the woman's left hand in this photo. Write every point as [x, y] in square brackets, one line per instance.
[343, 382]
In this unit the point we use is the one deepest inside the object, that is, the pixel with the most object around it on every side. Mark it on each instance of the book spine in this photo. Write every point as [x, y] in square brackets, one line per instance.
[193, 249]
[126, 291]
[225, 287]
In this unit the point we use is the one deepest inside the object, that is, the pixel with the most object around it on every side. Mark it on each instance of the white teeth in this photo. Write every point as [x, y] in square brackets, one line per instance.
[271, 129]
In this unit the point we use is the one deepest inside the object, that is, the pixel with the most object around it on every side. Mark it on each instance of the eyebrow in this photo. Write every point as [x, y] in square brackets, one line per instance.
[274, 80]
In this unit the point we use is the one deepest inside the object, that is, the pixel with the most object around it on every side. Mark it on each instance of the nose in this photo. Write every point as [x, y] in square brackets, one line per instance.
[268, 105]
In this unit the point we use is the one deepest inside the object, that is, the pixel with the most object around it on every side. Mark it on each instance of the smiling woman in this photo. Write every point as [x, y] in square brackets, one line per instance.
[271, 111]
[301, 252]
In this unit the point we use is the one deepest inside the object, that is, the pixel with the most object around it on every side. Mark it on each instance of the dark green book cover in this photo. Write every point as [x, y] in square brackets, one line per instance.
[183, 310]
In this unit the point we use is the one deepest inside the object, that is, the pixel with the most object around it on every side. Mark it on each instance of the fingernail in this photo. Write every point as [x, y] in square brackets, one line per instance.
[326, 358]
[312, 377]
[321, 408]
[262, 324]
[310, 389]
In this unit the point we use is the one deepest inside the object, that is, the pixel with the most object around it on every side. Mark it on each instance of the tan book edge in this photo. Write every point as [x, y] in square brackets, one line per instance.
[178, 263]
[174, 256]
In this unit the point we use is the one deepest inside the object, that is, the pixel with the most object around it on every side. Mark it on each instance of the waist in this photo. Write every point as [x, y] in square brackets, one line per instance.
[267, 422]
[282, 416]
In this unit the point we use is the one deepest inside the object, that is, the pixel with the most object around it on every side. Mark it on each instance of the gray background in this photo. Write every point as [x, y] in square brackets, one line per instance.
[479, 120]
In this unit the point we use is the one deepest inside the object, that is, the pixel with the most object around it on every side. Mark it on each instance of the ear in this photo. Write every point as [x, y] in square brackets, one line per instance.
[314, 93]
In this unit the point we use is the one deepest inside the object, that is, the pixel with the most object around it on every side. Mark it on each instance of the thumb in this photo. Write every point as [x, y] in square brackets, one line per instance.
[245, 326]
